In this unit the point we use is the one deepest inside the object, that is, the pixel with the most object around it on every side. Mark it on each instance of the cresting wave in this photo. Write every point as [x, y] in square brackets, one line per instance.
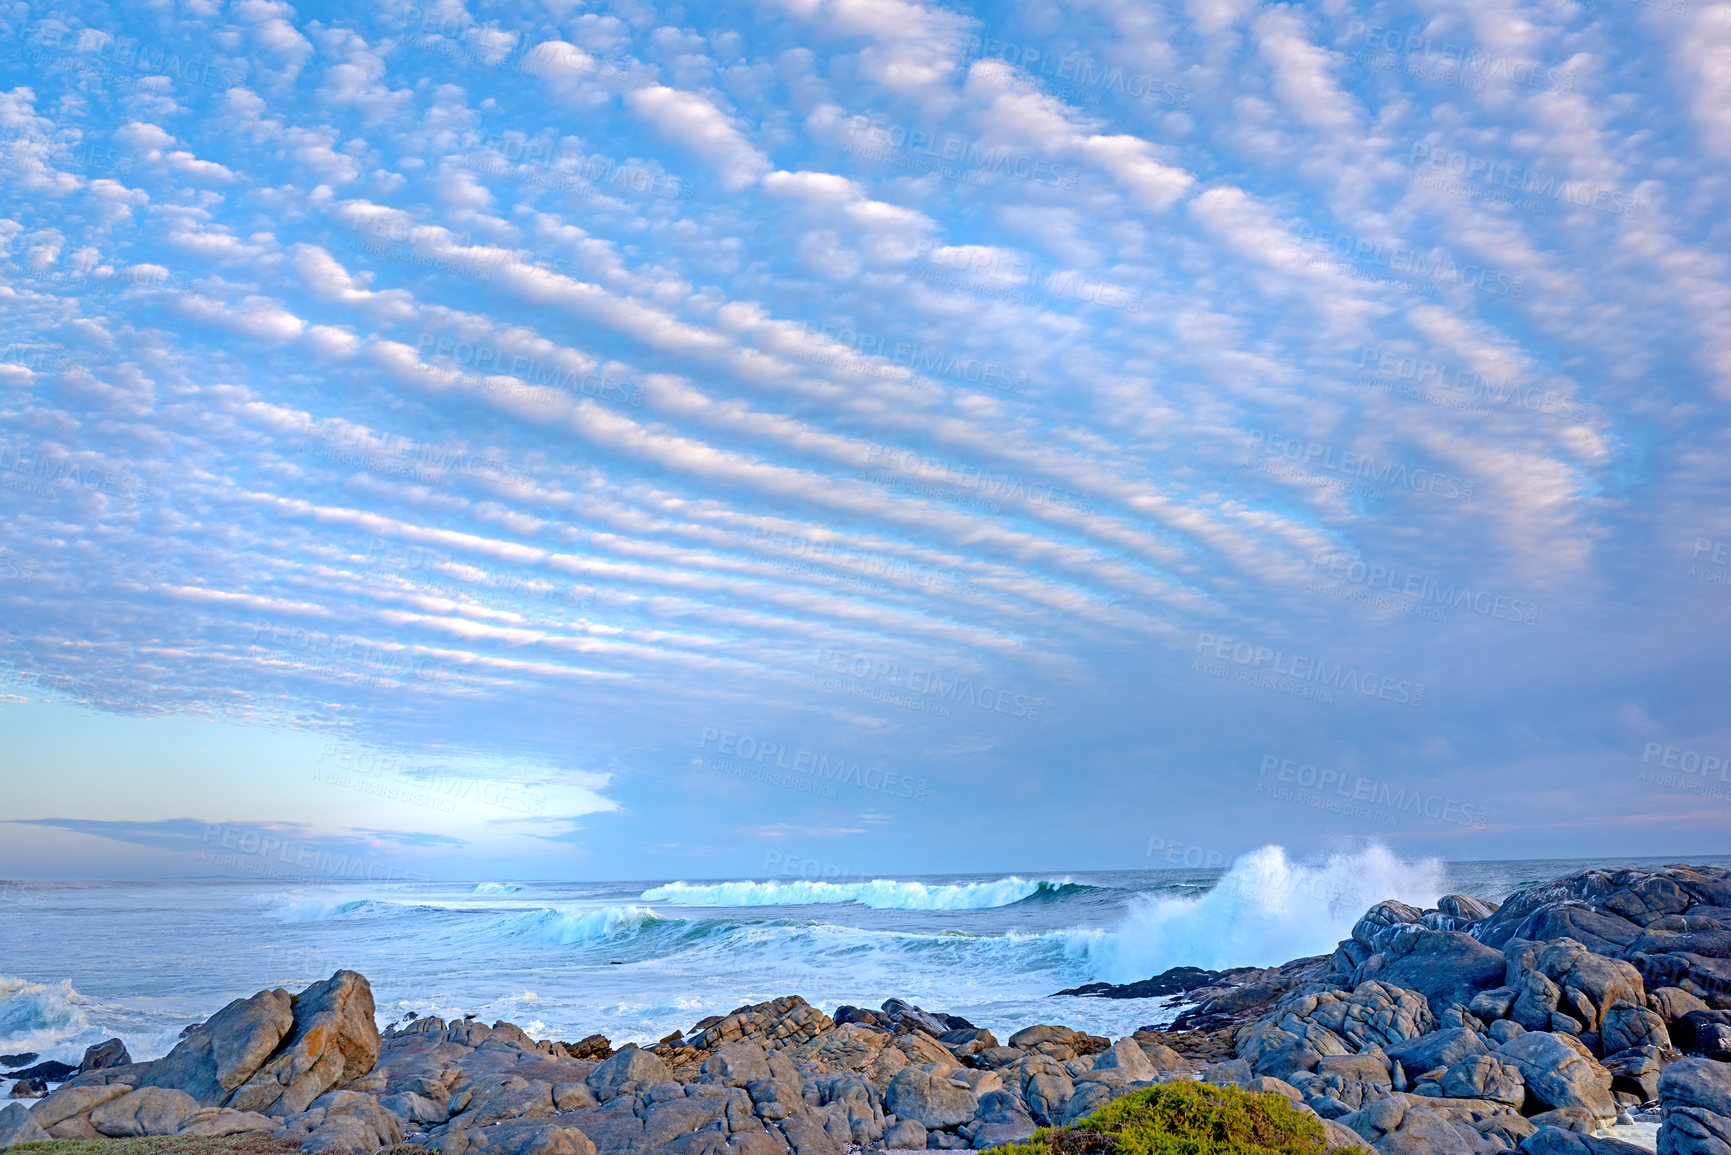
[879, 894]
[39, 1016]
[1263, 911]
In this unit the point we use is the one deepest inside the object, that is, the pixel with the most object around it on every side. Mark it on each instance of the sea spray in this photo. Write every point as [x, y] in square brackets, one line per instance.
[1265, 910]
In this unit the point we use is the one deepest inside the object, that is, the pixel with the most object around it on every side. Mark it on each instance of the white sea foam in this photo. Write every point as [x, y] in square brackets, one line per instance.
[1265, 910]
[497, 888]
[42, 1017]
[879, 894]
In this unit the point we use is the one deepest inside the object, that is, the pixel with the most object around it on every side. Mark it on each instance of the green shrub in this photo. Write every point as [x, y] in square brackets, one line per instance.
[1184, 1119]
[252, 1144]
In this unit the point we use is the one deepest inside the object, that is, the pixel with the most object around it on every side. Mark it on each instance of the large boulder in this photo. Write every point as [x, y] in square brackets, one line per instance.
[109, 1053]
[70, 1102]
[1695, 1106]
[935, 1102]
[1706, 1033]
[226, 1049]
[1559, 1074]
[626, 1071]
[147, 1111]
[335, 1040]
[1374, 1014]
[1447, 967]
[16, 1126]
[784, 1022]
[1628, 1024]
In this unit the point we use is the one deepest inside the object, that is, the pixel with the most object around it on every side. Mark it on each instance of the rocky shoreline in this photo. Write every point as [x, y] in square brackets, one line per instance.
[1600, 998]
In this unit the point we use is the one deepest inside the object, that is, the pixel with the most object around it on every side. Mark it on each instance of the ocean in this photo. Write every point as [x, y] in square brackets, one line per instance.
[85, 961]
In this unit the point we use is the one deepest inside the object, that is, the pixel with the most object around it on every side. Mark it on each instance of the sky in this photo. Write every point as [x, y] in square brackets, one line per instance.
[619, 440]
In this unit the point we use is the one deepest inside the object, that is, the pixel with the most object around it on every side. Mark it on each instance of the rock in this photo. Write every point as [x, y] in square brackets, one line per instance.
[1176, 981]
[1494, 1003]
[1447, 967]
[626, 1071]
[17, 1126]
[1558, 1075]
[1127, 1058]
[28, 1089]
[1628, 1024]
[1536, 1001]
[111, 1053]
[1636, 1071]
[147, 1111]
[933, 1101]
[70, 1102]
[1589, 983]
[784, 1022]
[334, 1041]
[227, 1049]
[906, 1134]
[1503, 1030]
[1672, 1003]
[1437, 1049]
[988, 1135]
[1705, 1033]
[19, 1060]
[736, 1064]
[49, 1071]
[1344, 1140]
[1374, 1014]
[1706, 978]
[1045, 1095]
[1485, 1077]
[592, 1047]
[218, 1122]
[1560, 1141]
[1695, 1106]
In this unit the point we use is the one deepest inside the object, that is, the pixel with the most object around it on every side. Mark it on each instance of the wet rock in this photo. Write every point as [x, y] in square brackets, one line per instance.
[28, 1089]
[110, 1053]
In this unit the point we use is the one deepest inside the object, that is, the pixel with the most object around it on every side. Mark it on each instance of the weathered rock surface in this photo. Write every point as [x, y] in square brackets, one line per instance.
[18, 1126]
[1695, 1101]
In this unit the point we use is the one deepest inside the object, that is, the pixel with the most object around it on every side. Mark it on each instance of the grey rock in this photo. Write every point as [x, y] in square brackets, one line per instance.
[69, 1102]
[737, 1064]
[1447, 967]
[227, 1049]
[905, 1134]
[933, 1101]
[1636, 1071]
[110, 1053]
[1125, 1056]
[1672, 1003]
[220, 1122]
[28, 1089]
[147, 1111]
[1695, 1105]
[1084, 1101]
[1558, 1075]
[1437, 1049]
[1503, 1030]
[16, 1126]
[626, 1071]
[1485, 1077]
[1628, 1024]
[1045, 1096]
[335, 1040]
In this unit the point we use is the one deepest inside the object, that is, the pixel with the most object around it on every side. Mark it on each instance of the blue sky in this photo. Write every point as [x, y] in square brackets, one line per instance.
[617, 440]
